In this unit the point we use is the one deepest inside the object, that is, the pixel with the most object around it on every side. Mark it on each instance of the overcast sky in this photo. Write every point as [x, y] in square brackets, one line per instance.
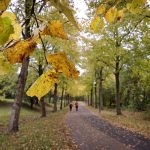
[81, 9]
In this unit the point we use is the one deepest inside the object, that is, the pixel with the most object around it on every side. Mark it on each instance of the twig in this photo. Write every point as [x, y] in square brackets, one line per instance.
[34, 68]
[132, 29]
[44, 49]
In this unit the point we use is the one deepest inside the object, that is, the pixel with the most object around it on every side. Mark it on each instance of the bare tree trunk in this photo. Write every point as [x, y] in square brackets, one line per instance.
[118, 107]
[62, 96]
[15, 113]
[68, 99]
[65, 100]
[43, 109]
[43, 114]
[95, 89]
[88, 100]
[31, 102]
[95, 93]
[55, 97]
[101, 90]
[50, 96]
[91, 101]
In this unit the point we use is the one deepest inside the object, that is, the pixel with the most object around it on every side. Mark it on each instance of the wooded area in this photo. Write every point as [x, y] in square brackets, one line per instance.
[49, 56]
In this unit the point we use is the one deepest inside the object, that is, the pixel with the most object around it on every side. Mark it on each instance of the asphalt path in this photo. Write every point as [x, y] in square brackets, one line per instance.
[90, 132]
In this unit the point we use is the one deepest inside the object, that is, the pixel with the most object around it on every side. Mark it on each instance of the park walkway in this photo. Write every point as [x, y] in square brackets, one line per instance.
[90, 132]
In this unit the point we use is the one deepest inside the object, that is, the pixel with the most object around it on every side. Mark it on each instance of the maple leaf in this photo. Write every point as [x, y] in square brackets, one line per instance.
[4, 4]
[61, 64]
[43, 84]
[55, 28]
[19, 50]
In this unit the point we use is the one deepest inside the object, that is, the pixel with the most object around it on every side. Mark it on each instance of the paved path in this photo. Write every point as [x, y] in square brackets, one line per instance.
[93, 133]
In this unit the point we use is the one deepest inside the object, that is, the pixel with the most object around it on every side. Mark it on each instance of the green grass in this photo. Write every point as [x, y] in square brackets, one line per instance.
[35, 133]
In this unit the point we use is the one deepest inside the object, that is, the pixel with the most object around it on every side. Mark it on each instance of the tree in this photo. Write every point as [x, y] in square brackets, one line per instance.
[13, 126]
[22, 49]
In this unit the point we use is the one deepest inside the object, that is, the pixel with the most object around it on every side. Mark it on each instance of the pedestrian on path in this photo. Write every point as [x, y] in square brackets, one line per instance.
[70, 106]
[76, 105]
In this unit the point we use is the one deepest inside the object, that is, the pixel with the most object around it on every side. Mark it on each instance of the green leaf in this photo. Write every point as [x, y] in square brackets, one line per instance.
[7, 30]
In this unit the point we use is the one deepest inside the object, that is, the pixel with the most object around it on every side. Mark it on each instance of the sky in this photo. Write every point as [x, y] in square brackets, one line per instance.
[81, 9]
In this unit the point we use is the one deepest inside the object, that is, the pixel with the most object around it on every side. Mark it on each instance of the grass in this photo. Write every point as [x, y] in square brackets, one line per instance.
[35, 133]
[138, 122]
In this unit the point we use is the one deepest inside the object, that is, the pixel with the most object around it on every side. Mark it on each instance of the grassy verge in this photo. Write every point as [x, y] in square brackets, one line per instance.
[133, 121]
[36, 133]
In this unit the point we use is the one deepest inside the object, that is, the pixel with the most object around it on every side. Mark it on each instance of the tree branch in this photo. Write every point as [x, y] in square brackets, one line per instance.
[129, 31]
[34, 68]
[109, 65]
[44, 48]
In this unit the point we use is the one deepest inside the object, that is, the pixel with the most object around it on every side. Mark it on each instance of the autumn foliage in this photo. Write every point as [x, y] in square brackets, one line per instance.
[19, 50]
[62, 65]
[43, 84]
[112, 11]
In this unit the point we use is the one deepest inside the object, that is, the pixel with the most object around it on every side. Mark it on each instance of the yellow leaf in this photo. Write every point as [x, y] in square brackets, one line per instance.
[4, 65]
[120, 14]
[55, 28]
[97, 24]
[19, 50]
[61, 64]
[17, 27]
[67, 11]
[43, 84]
[4, 4]
[1, 25]
[111, 14]
[100, 10]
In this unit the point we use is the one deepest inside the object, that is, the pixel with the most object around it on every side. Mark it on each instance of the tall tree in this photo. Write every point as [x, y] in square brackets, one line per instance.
[13, 125]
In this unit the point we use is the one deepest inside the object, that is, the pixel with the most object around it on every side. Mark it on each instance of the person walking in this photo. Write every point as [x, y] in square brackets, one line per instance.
[70, 106]
[76, 105]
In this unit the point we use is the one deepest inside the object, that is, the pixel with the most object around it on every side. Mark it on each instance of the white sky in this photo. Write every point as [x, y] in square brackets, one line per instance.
[81, 9]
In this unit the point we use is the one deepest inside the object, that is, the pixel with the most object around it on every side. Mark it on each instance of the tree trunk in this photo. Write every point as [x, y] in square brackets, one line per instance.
[95, 93]
[15, 113]
[31, 102]
[55, 97]
[91, 101]
[50, 96]
[95, 90]
[118, 107]
[62, 96]
[43, 114]
[65, 101]
[68, 99]
[88, 100]
[43, 109]
[101, 89]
